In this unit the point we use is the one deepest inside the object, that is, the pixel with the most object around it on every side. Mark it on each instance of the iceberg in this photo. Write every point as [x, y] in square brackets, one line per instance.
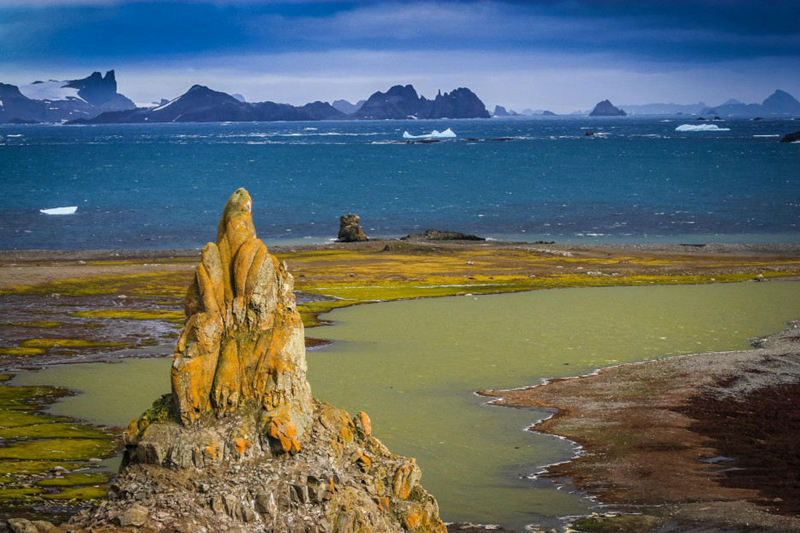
[700, 127]
[435, 134]
[69, 210]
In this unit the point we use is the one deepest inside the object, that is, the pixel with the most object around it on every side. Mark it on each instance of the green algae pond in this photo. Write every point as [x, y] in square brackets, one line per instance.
[415, 366]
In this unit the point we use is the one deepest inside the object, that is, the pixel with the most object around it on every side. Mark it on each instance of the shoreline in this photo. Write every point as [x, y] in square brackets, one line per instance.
[109, 287]
[652, 436]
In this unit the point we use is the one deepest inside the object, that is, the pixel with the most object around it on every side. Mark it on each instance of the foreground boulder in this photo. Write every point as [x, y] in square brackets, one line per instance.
[240, 444]
[350, 230]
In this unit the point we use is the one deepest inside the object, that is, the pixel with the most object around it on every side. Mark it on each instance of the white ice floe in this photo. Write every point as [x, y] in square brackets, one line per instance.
[700, 127]
[49, 90]
[435, 134]
[69, 210]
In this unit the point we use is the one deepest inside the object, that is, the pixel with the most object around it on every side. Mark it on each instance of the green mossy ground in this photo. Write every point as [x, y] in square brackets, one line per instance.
[34, 444]
[132, 314]
[68, 343]
[73, 480]
[39, 324]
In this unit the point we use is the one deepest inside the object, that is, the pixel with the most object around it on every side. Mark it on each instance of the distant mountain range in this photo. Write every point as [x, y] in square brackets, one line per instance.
[95, 100]
[778, 103]
[58, 101]
[201, 104]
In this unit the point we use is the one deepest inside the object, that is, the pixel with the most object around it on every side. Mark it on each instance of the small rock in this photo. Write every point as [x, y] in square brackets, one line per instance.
[350, 230]
[21, 525]
[43, 526]
[135, 515]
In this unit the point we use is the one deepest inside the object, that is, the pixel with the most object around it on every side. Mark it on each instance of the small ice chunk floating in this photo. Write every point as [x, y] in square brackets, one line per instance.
[435, 134]
[69, 210]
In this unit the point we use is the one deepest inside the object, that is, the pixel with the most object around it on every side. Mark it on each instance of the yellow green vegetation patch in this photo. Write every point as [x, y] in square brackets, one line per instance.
[33, 444]
[52, 431]
[169, 284]
[18, 493]
[71, 480]
[20, 350]
[81, 493]
[56, 449]
[68, 343]
[131, 314]
[14, 417]
[46, 324]
[18, 468]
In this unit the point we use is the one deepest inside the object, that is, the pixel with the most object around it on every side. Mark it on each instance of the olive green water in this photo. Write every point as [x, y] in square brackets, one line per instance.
[414, 367]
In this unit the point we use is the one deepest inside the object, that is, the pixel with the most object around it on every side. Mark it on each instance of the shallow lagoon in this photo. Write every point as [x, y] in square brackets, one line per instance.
[414, 367]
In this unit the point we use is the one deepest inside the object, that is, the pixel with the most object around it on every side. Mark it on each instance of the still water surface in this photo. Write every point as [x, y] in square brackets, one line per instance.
[414, 367]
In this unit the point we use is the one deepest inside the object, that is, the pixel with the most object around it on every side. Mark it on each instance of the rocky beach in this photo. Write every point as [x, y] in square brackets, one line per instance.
[704, 441]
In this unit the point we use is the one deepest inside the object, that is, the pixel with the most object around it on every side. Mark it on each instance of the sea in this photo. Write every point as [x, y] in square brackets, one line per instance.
[562, 179]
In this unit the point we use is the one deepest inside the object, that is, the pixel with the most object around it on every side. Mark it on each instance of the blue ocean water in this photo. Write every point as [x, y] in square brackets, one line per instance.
[164, 185]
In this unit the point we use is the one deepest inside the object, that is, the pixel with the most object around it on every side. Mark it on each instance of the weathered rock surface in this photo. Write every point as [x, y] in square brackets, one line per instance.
[240, 444]
[350, 230]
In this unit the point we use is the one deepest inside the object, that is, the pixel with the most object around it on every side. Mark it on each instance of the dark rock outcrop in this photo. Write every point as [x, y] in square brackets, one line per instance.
[240, 444]
[778, 103]
[201, 104]
[95, 94]
[606, 109]
[500, 111]
[16, 107]
[791, 137]
[350, 230]
[101, 91]
[438, 235]
[401, 102]
[781, 103]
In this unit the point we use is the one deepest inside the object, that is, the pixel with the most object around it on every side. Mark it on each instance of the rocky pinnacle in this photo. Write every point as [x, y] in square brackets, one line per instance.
[243, 339]
[240, 444]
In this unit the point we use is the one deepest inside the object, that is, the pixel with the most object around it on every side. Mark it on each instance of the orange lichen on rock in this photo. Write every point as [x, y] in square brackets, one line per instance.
[412, 520]
[363, 423]
[401, 487]
[364, 462]
[242, 342]
[241, 445]
[283, 431]
[212, 451]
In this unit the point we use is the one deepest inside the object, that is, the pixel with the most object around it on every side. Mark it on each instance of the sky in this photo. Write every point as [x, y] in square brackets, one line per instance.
[557, 55]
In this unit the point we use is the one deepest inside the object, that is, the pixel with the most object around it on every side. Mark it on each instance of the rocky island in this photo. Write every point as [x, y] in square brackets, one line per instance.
[607, 109]
[240, 444]
[401, 102]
